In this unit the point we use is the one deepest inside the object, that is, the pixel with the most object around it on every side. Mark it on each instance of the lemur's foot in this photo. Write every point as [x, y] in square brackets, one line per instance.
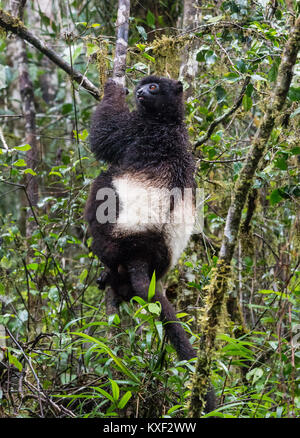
[102, 281]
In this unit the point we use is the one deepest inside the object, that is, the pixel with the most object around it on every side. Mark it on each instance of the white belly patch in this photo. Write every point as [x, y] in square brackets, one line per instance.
[146, 207]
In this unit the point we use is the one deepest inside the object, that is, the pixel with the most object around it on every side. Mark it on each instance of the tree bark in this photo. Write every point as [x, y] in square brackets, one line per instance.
[122, 26]
[32, 156]
[219, 282]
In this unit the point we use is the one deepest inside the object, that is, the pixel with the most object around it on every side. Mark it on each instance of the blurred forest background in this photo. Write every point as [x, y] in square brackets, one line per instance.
[60, 354]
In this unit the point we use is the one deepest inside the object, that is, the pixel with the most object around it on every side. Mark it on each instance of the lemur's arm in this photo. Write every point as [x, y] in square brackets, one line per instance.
[109, 123]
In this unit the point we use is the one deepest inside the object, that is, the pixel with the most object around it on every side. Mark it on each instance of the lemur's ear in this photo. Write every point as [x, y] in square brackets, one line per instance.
[179, 87]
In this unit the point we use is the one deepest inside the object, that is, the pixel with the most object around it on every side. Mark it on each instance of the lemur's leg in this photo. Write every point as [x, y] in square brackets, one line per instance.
[140, 280]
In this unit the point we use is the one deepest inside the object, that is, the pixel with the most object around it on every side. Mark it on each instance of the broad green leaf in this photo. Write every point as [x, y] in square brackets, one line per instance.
[20, 163]
[30, 171]
[154, 308]
[23, 147]
[275, 197]
[150, 18]
[281, 163]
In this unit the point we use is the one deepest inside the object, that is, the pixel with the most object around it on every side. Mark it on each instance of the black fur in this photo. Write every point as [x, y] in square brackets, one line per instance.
[151, 141]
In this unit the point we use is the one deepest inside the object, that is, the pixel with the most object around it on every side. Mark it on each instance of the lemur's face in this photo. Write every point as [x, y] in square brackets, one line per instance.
[159, 97]
[149, 96]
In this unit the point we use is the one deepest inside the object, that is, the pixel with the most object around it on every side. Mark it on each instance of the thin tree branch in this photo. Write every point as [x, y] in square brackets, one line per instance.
[14, 25]
[224, 116]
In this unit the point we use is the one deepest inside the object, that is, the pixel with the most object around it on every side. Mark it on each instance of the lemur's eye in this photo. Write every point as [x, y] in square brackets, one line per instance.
[152, 87]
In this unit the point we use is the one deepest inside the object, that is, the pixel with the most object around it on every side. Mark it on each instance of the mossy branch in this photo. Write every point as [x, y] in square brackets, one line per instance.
[219, 284]
[12, 24]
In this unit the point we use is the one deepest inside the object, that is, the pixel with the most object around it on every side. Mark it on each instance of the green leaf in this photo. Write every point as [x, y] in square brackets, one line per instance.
[142, 32]
[53, 172]
[154, 308]
[210, 57]
[296, 112]
[83, 275]
[275, 197]
[281, 163]
[294, 93]
[14, 361]
[84, 134]
[151, 290]
[150, 18]
[66, 108]
[124, 400]
[247, 102]
[29, 170]
[103, 392]
[33, 266]
[91, 48]
[256, 77]
[76, 53]
[220, 94]
[20, 163]
[255, 374]
[5, 263]
[115, 390]
[23, 147]
[150, 58]
[2, 289]
[231, 77]
[159, 328]
[295, 150]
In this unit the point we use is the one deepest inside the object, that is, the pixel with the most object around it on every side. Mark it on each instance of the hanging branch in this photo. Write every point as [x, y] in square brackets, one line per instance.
[12, 24]
[219, 282]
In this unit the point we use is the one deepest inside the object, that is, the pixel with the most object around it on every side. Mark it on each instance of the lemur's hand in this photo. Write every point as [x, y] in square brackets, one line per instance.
[112, 88]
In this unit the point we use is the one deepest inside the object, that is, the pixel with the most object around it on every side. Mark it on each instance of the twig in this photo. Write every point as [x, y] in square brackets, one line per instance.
[12, 24]
[224, 116]
[234, 160]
